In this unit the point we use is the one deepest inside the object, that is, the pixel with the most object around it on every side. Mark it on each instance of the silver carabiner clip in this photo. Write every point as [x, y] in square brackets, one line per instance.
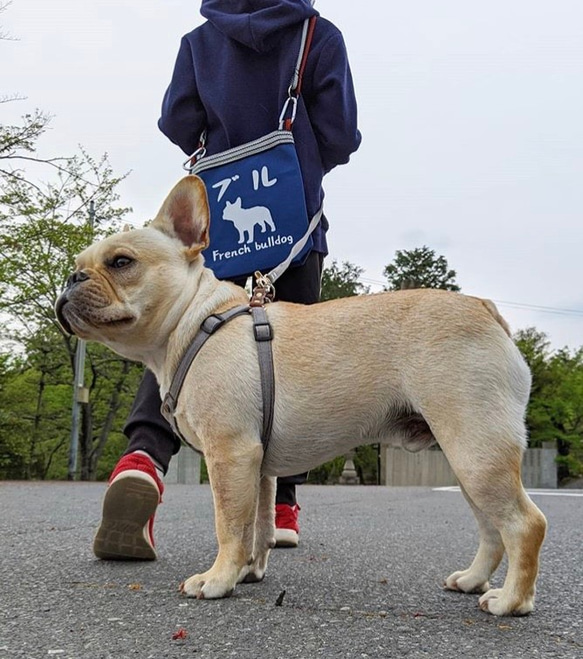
[191, 161]
[294, 106]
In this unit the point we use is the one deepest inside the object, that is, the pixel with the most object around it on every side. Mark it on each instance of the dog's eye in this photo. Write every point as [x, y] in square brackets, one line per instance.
[120, 261]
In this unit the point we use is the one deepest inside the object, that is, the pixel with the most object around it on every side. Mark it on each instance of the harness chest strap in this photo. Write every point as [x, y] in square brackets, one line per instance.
[263, 337]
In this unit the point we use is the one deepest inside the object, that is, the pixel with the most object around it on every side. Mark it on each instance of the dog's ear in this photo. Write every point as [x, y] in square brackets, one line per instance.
[185, 215]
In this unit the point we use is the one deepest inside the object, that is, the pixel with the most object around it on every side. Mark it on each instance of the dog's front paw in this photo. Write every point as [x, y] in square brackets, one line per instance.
[466, 582]
[499, 603]
[207, 586]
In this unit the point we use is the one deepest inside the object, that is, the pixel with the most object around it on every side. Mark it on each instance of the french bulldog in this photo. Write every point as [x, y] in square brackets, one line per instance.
[411, 367]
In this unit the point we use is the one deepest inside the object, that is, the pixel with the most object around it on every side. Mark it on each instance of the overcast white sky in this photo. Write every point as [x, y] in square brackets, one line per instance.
[471, 115]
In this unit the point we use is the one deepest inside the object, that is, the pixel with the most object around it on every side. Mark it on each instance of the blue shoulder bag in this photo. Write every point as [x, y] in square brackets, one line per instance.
[256, 195]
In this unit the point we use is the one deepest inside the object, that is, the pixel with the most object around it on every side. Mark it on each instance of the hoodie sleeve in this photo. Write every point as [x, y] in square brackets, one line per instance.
[183, 117]
[332, 105]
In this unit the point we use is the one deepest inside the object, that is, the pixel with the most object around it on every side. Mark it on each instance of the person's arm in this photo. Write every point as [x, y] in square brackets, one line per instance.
[183, 117]
[332, 105]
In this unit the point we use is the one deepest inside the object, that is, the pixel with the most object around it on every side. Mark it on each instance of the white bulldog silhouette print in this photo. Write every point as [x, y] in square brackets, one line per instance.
[246, 219]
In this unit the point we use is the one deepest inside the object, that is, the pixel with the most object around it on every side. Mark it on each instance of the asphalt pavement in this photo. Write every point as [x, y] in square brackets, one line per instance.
[366, 581]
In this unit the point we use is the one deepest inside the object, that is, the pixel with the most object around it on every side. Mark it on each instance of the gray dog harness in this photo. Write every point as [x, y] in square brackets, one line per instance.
[263, 337]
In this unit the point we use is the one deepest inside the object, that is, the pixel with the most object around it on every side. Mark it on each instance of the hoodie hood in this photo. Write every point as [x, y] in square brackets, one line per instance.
[256, 23]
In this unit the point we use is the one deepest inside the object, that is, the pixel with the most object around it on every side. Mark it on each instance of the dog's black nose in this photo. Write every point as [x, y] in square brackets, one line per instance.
[77, 277]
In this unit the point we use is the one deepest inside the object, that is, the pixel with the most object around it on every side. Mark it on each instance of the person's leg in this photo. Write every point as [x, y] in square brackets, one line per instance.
[135, 485]
[302, 285]
[146, 429]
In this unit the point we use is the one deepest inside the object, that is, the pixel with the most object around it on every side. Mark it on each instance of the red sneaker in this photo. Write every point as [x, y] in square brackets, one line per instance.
[129, 506]
[286, 525]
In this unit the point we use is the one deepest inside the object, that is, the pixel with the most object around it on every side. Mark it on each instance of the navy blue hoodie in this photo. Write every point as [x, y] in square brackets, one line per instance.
[232, 75]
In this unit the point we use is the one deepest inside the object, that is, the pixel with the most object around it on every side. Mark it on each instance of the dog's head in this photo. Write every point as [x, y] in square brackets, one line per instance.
[129, 290]
[227, 212]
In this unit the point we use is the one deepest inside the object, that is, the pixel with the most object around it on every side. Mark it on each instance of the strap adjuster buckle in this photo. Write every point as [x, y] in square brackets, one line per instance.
[212, 323]
[262, 331]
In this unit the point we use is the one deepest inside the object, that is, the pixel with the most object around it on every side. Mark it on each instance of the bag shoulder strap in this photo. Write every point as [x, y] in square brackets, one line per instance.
[297, 247]
[305, 44]
[288, 112]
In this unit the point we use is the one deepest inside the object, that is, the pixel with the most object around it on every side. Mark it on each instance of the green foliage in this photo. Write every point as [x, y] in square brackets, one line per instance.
[33, 430]
[19, 142]
[555, 410]
[419, 268]
[43, 226]
[113, 383]
[365, 460]
[341, 281]
[36, 404]
[327, 473]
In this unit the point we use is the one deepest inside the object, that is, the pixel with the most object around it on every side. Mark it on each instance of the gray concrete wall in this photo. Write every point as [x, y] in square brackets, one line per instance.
[539, 468]
[430, 468]
[184, 468]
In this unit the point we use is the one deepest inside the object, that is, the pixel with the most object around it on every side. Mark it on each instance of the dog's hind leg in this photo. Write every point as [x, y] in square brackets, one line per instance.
[264, 532]
[234, 476]
[490, 553]
[491, 479]
[523, 531]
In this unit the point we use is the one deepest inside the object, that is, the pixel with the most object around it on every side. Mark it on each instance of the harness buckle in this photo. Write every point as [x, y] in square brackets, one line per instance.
[262, 331]
[212, 323]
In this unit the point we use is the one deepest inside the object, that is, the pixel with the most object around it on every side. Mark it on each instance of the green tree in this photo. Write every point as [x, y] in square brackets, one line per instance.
[419, 268]
[35, 410]
[555, 409]
[113, 383]
[43, 225]
[342, 281]
[567, 411]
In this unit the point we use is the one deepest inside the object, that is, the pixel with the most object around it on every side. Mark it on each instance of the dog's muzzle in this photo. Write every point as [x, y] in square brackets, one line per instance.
[62, 300]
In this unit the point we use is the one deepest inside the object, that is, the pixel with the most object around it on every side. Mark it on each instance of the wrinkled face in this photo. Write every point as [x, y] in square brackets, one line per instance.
[125, 289]
[113, 283]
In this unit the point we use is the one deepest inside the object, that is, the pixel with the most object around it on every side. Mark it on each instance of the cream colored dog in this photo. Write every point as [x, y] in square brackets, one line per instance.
[411, 367]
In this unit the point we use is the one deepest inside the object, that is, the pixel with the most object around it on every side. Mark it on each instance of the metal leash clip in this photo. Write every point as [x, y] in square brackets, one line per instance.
[200, 152]
[263, 292]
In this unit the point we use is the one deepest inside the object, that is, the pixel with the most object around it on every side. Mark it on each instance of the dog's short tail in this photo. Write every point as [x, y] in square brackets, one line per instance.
[491, 307]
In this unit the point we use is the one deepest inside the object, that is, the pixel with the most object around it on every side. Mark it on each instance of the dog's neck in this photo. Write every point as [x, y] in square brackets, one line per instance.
[210, 295]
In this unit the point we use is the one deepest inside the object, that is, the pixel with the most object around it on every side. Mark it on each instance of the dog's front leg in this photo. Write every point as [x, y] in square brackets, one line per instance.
[264, 532]
[234, 478]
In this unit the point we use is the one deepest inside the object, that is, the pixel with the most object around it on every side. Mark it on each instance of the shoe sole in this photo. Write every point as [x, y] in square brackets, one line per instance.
[286, 538]
[128, 505]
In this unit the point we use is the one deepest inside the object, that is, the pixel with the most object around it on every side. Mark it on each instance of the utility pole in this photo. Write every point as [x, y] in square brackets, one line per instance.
[80, 391]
